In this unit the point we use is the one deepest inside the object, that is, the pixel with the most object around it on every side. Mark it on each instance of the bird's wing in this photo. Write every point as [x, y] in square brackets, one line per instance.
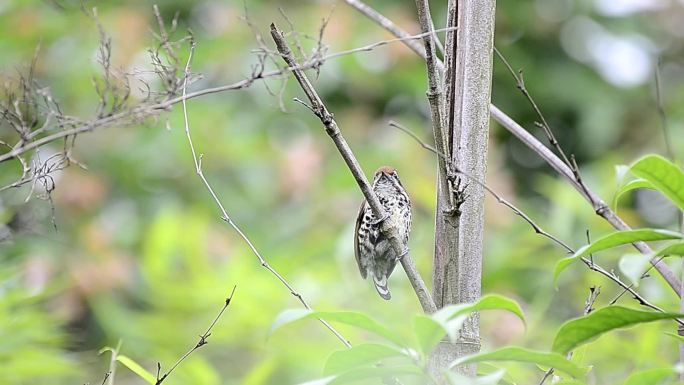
[362, 268]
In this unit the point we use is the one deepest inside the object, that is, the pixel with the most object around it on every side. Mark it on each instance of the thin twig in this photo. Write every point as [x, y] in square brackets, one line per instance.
[661, 113]
[389, 25]
[106, 377]
[537, 229]
[600, 207]
[512, 126]
[224, 214]
[589, 262]
[151, 109]
[588, 308]
[544, 125]
[203, 340]
[435, 98]
[333, 131]
[520, 84]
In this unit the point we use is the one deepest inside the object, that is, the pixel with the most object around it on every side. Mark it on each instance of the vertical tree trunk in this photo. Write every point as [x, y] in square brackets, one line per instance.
[459, 233]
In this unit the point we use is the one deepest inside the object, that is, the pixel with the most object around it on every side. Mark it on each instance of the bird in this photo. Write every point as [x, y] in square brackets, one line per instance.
[373, 250]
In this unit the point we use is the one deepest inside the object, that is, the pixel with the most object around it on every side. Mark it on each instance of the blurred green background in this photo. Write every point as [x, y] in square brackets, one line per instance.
[138, 252]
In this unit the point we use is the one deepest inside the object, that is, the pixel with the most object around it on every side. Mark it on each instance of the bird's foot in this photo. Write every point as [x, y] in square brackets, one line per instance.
[379, 221]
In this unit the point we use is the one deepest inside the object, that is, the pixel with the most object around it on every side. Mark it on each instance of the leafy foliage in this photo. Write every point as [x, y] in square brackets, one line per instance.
[586, 329]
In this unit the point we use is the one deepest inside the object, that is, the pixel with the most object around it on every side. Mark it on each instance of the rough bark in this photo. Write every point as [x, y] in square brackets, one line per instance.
[459, 237]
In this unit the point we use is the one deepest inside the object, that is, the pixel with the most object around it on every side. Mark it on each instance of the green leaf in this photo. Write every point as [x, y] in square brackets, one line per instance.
[369, 373]
[487, 302]
[484, 369]
[649, 377]
[428, 332]
[137, 369]
[554, 360]
[664, 175]
[352, 318]
[319, 381]
[671, 249]
[585, 329]
[633, 266]
[288, 316]
[629, 186]
[359, 355]
[488, 379]
[676, 336]
[614, 239]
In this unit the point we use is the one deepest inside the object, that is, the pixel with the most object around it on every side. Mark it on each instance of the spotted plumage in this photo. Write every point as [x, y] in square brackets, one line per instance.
[374, 253]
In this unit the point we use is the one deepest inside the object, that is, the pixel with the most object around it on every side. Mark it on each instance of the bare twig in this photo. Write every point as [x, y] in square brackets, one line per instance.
[589, 262]
[224, 214]
[436, 100]
[520, 84]
[333, 131]
[537, 229]
[512, 126]
[203, 340]
[599, 206]
[661, 113]
[152, 109]
[588, 308]
[389, 26]
[106, 377]
[543, 124]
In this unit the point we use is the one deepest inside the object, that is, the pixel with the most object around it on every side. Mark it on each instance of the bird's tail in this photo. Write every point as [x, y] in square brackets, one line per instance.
[381, 286]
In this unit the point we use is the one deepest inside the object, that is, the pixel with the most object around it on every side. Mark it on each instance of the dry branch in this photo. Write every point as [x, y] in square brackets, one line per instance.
[333, 131]
[530, 141]
[197, 159]
[600, 207]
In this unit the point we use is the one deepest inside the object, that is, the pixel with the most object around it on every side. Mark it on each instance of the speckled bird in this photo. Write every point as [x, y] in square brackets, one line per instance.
[374, 252]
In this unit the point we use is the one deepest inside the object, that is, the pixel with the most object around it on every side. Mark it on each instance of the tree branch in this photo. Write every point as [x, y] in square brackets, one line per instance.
[333, 131]
[152, 109]
[224, 214]
[201, 342]
[600, 207]
[589, 262]
[512, 126]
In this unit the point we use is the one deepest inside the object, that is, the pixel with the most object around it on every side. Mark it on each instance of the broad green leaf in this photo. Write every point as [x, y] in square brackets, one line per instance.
[554, 360]
[633, 266]
[288, 316]
[621, 171]
[488, 379]
[428, 332]
[649, 377]
[570, 382]
[487, 302]
[484, 369]
[585, 329]
[137, 369]
[352, 318]
[375, 372]
[629, 186]
[320, 381]
[664, 175]
[614, 239]
[359, 355]
[671, 249]
[676, 336]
